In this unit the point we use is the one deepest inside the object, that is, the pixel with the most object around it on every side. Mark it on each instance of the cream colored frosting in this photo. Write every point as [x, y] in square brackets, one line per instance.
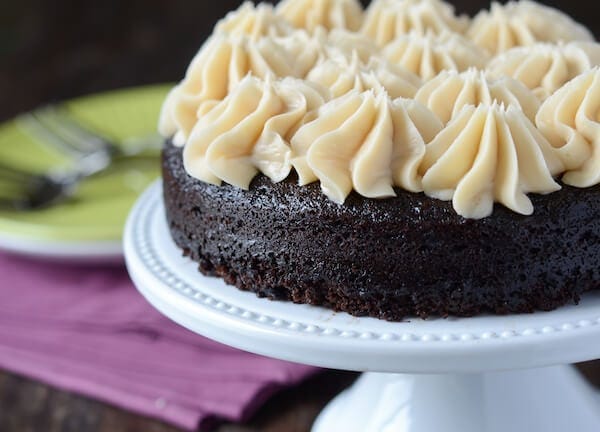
[249, 131]
[545, 67]
[253, 21]
[329, 14]
[341, 75]
[297, 51]
[346, 42]
[570, 119]
[262, 96]
[222, 62]
[486, 154]
[385, 20]
[450, 91]
[523, 23]
[366, 142]
[427, 55]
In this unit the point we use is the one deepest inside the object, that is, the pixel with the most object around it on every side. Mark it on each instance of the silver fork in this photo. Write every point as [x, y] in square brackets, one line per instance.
[23, 190]
[53, 125]
[92, 154]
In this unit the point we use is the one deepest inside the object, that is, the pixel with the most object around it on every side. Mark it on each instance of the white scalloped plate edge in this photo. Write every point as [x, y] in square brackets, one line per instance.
[315, 335]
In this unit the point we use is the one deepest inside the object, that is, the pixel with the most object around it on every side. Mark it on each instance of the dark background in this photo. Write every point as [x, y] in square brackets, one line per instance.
[57, 49]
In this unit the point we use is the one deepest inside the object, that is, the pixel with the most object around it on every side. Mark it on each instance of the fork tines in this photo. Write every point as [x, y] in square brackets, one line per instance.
[54, 126]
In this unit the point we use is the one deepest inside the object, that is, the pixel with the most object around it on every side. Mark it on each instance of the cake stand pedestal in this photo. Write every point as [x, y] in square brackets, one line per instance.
[482, 374]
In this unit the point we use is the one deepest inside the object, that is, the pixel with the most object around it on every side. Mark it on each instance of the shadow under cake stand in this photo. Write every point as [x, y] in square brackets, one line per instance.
[482, 374]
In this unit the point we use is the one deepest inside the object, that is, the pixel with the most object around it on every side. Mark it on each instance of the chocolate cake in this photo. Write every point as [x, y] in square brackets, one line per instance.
[388, 162]
[393, 258]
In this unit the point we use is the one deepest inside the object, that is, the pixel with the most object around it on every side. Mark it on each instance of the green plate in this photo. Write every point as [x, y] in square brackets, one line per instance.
[95, 215]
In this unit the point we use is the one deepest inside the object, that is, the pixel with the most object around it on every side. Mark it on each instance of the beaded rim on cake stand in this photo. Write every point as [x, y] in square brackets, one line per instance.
[450, 348]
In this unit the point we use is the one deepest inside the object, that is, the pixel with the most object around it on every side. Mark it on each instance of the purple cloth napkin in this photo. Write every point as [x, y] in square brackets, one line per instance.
[87, 329]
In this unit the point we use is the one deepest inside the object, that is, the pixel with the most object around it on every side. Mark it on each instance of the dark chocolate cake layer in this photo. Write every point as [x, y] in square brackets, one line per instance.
[392, 258]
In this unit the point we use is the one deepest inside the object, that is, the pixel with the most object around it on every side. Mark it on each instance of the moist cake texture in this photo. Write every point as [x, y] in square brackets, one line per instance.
[393, 258]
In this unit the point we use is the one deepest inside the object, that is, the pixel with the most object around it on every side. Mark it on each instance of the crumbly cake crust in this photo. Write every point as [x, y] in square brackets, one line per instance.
[391, 258]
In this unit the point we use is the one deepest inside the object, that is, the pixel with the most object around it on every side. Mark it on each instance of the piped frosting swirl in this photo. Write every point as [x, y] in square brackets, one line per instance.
[341, 75]
[545, 67]
[222, 62]
[346, 42]
[427, 55]
[570, 119]
[523, 23]
[385, 20]
[486, 154]
[450, 91]
[366, 142]
[329, 14]
[249, 131]
[253, 21]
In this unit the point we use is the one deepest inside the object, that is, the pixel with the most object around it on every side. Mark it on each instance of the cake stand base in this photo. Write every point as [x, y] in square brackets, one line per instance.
[553, 399]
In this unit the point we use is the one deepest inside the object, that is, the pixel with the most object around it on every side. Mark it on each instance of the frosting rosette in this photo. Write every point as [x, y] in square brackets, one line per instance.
[366, 142]
[249, 131]
[489, 153]
[385, 20]
[222, 62]
[523, 23]
[570, 119]
[429, 54]
[347, 43]
[544, 67]
[253, 21]
[341, 75]
[450, 91]
[329, 14]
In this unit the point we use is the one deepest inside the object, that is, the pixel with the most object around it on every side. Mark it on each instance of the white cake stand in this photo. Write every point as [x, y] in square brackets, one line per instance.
[483, 374]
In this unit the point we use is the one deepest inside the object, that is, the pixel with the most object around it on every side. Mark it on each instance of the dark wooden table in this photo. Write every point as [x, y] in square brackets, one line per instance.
[54, 50]
[27, 405]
